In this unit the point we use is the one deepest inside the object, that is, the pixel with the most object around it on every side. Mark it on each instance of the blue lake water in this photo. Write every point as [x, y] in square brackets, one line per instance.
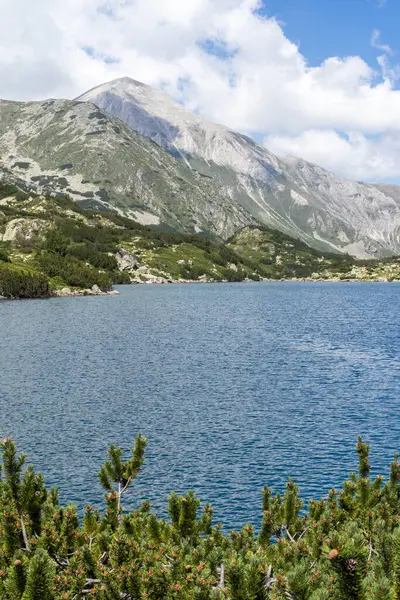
[235, 385]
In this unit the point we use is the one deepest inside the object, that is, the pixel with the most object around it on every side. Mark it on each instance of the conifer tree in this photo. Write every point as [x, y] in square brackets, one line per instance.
[343, 547]
[396, 564]
[183, 513]
[291, 507]
[12, 468]
[116, 472]
[363, 458]
[350, 563]
[39, 580]
[271, 509]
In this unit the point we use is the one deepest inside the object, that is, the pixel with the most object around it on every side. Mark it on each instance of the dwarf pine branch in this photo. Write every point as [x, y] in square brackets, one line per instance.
[116, 475]
[345, 546]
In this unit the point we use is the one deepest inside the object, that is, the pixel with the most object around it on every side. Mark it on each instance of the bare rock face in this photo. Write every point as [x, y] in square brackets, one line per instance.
[65, 292]
[126, 261]
[24, 231]
[299, 198]
[75, 148]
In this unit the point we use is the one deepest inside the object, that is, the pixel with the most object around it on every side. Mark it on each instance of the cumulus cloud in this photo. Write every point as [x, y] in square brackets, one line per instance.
[220, 58]
[354, 155]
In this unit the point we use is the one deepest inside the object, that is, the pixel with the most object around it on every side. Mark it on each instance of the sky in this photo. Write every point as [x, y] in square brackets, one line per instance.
[318, 79]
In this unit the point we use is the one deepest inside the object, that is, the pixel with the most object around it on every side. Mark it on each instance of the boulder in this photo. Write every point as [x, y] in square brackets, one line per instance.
[65, 292]
[126, 261]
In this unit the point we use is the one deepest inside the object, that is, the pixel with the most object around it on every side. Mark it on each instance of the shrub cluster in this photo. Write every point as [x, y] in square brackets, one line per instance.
[7, 189]
[72, 271]
[343, 547]
[18, 283]
[76, 263]
[4, 256]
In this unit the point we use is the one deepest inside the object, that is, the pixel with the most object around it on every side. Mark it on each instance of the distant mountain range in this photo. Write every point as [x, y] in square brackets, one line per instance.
[129, 147]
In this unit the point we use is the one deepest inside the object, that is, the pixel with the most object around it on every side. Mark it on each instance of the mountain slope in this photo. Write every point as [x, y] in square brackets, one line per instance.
[301, 199]
[62, 146]
[52, 246]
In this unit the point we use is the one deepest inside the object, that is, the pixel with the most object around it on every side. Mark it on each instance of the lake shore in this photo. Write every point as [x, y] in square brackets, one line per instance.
[71, 293]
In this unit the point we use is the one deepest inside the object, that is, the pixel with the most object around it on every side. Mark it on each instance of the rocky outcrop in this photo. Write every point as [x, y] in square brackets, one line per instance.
[23, 231]
[126, 261]
[68, 147]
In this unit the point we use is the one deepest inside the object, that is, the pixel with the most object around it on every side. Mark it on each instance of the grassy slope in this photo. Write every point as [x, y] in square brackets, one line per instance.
[276, 255]
[92, 240]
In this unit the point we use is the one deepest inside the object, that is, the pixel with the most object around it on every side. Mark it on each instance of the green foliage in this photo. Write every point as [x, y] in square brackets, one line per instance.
[4, 256]
[39, 578]
[72, 271]
[273, 254]
[338, 549]
[7, 190]
[88, 252]
[88, 242]
[120, 277]
[117, 475]
[20, 283]
[183, 513]
[55, 242]
[15, 582]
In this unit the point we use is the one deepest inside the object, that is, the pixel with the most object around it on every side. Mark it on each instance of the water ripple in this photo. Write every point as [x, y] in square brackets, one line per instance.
[236, 386]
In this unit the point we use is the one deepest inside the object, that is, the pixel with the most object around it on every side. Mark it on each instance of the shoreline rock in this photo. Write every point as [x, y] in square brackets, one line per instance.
[162, 280]
[94, 291]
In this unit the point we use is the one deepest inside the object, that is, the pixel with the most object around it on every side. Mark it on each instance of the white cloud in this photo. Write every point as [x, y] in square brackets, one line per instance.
[260, 84]
[375, 42]
[353, 155]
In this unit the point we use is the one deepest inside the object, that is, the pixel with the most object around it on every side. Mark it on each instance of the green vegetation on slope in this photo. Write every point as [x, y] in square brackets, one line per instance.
[278, 256]
[74, 248]
[17, 282]
[343, 547]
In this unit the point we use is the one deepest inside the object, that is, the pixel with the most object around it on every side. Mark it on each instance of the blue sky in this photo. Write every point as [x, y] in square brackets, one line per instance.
[325, 28]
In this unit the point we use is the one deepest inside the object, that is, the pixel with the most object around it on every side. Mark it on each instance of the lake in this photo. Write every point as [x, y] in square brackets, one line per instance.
[235, 385]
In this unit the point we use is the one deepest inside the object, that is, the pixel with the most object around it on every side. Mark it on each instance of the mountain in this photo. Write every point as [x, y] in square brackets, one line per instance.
[67, 147]
[128, 147]
[290, 194]
[53, 246]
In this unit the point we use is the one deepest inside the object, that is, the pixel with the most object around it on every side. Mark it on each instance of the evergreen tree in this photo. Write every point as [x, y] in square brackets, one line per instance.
[39, 579]
[396, 564]
[116, 472]
[343, 547]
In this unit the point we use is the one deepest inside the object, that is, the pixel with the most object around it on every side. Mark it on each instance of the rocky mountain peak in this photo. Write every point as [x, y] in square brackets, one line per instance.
[290, 194]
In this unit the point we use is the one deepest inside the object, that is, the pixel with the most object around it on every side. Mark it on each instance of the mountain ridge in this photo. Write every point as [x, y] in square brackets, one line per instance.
[290, 193]
[126, 147]
[52, 246]
[68, 147]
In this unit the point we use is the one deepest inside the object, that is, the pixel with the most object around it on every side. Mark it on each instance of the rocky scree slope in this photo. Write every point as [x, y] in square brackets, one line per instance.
[65, 147]
[301, 199]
